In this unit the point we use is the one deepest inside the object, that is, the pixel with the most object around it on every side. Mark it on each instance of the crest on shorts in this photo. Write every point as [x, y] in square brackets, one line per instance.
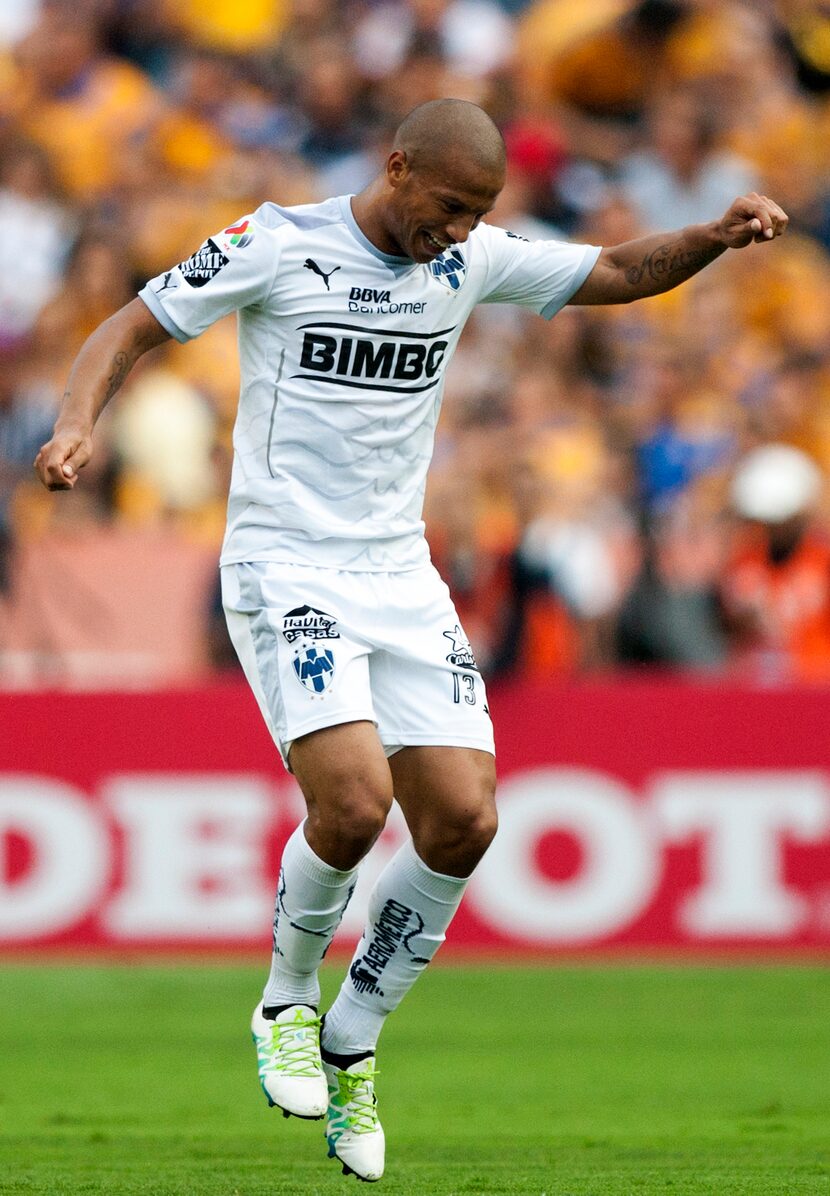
[314, 668]
[308, 623]
[462, 653]
[450, 268]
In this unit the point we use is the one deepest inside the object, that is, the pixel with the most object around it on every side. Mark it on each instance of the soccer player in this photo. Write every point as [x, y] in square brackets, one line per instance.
[349, 311]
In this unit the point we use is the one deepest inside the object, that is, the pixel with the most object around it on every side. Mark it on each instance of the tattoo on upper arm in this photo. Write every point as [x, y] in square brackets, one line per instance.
[667, 265]
[120, 369]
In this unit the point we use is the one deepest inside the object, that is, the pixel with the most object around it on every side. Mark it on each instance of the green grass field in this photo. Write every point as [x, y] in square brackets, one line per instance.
[565, 1081]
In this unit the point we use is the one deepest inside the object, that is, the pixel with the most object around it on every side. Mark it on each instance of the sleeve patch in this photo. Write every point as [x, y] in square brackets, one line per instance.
[237, 236]
[203, 265]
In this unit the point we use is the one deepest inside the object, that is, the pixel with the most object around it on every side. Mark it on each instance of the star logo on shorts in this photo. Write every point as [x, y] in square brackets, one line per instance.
[462, 653]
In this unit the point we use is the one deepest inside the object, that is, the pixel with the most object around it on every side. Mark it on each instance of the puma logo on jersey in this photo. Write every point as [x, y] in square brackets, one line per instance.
[167, 285]
[310, 264]
[353, 360]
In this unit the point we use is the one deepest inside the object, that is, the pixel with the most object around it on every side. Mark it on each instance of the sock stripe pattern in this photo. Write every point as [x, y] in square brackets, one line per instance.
[409, 911]
[311, 900]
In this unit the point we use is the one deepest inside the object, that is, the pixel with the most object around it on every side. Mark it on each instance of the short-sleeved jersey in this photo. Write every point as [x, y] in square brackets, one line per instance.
[343, 351]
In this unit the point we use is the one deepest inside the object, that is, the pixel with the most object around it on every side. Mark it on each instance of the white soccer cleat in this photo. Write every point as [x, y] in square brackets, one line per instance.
[288, 1054]
[353, 1131]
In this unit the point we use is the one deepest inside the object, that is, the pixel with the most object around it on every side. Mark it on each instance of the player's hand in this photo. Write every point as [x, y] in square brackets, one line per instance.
[752, 217]
[58, 462]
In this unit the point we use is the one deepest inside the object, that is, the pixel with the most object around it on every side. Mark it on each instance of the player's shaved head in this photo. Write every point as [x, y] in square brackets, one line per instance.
[443, 175]
[445, 133]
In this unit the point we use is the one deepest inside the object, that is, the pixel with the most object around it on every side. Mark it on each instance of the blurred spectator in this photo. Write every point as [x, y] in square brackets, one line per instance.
[671, 615]
[87, 110]
[26, 418]
[805, 37]
[683, 171]
[597, 450]
[776, 588]
[243, 27]
[32, 264]
[16, 19]
[163, 433]
[601, 82]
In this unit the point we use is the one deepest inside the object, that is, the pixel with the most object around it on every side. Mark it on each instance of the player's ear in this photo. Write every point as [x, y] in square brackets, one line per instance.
[397, 167]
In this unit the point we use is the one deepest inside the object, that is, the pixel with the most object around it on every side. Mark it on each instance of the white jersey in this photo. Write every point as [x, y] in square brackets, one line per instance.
[343, 351]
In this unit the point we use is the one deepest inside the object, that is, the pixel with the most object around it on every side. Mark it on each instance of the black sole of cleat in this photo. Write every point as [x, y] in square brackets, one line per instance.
[300, 1116]
[272, 1104]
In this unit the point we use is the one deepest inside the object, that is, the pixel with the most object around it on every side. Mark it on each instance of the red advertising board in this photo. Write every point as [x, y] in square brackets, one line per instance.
[635, 815]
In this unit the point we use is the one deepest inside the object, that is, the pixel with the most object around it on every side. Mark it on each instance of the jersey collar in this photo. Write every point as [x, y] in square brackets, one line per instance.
[389, 259]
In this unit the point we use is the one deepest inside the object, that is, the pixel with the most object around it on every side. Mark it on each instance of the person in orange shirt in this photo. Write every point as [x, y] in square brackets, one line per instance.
[776, 589]
[86, 109]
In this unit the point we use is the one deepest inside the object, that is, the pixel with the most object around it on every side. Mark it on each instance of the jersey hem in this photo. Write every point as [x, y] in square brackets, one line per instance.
[250, 558]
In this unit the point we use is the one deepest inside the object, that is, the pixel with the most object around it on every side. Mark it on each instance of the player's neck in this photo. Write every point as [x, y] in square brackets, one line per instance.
[367, 209]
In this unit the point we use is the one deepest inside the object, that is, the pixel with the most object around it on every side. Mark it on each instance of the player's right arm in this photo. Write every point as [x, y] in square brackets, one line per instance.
[100, 368]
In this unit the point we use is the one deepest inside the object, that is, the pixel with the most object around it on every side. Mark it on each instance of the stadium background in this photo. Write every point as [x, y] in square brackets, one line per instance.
[659, 680]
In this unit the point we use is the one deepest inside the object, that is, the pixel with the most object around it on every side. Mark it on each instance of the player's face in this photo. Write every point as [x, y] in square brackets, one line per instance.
[430, 210]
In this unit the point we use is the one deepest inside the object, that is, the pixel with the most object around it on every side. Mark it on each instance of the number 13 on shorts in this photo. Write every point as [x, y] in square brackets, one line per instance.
[464, 688]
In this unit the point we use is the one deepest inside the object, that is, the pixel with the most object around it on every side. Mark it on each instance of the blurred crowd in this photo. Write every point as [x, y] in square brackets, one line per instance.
[639, 485]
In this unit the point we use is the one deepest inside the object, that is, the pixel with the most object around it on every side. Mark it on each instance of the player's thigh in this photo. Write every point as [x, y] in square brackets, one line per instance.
[345, 780]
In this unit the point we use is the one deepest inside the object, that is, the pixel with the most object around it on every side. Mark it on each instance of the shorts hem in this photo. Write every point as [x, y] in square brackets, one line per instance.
[445, 739]
[320, 724]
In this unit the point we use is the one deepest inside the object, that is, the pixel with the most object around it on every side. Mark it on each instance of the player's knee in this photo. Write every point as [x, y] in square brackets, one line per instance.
[360, 822]
[350, 819]
[455, 844]
[475, 833]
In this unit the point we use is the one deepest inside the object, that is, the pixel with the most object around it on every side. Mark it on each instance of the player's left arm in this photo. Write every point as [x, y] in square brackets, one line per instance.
[655, 264]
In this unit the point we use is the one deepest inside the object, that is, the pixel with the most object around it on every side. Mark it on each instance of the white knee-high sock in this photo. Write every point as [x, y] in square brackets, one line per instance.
[311, 898]
[409, 911]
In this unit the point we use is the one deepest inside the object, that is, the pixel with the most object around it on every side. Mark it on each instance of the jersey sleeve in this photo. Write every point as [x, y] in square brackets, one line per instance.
[232, 269]
[541, 275]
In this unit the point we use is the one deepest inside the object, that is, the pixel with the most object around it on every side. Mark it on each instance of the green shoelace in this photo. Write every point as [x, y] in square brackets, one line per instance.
[298, 1044]
[356, 1091]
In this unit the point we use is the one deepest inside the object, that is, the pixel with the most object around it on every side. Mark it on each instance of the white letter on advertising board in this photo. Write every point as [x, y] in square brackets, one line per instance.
[69, 856]
[744, 818]
[194, 857]
[620, 868]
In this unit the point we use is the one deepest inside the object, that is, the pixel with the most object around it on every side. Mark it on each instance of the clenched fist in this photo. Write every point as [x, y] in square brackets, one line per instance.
[752, 217]
[58, 462]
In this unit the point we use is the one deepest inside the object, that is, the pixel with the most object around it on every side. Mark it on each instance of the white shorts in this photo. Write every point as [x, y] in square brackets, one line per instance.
[323, 646]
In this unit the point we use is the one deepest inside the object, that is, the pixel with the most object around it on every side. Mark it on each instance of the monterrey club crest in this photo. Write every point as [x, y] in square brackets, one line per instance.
[314, 668]
[450, 268]
[305, 628]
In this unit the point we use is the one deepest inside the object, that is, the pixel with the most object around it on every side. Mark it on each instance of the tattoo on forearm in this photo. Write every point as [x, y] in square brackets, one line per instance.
[120, 369]
[668, 265]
